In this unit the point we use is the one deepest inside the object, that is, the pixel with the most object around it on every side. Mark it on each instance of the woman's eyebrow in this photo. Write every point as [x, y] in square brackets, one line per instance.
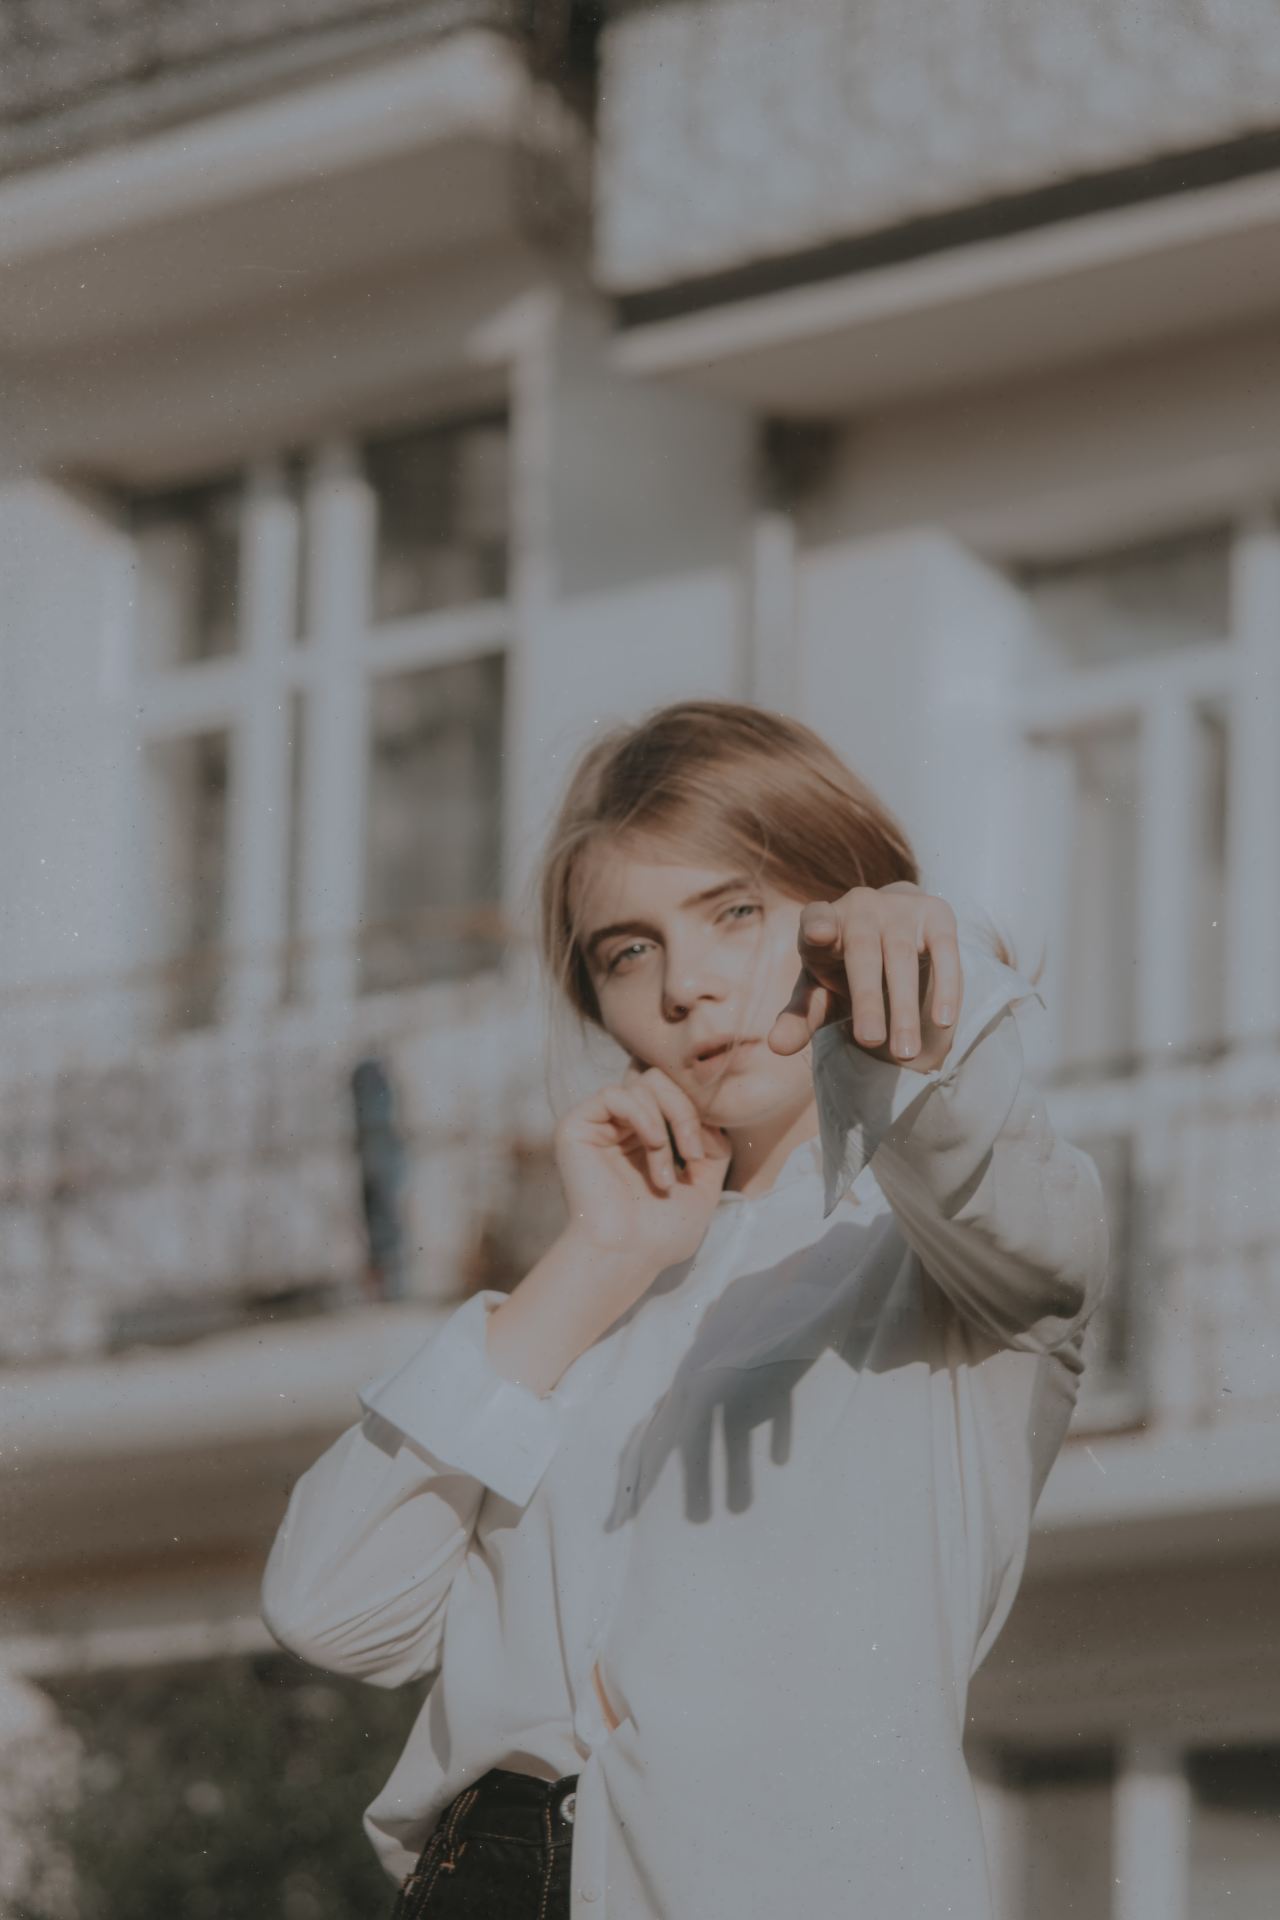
[732, 885]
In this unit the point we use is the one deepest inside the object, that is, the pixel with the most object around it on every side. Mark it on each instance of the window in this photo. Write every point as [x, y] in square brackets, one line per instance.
[1130, 737]
[1066, 1807]
[190, 781]
[441, 518]
[1140, 603]
[432, 832]
[1149, 721]
[188, 564]
[320, 649]
[1235, 1833]
[1099, 1002]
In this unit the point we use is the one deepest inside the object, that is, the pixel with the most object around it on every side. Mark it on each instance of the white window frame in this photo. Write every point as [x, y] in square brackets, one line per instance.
[1160, 696]
[251, 694]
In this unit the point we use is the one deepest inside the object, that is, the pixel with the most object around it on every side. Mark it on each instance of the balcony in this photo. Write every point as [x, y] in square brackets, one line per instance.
[175, 165]
[209, 1240]
[239, 1176]
[294, 1164]
[881, 199]
[85, 75]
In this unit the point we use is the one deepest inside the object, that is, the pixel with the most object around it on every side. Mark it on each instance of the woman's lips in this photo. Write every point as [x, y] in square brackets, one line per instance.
[722, 1061]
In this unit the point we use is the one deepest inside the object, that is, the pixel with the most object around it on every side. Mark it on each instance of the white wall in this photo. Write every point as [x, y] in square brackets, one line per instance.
[67, 909]
[911, 655]
[634, 510]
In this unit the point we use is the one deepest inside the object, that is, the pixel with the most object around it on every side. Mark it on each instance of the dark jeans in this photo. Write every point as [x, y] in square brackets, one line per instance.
[499, 1851]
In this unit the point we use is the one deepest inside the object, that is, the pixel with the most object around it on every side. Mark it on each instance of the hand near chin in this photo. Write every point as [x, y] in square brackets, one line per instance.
[642, 1170]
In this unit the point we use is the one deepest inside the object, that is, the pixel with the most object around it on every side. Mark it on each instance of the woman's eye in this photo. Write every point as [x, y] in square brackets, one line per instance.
[622, 954]
[739, 906]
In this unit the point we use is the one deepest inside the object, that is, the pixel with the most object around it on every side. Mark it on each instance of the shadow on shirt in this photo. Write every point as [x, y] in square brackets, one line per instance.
[754, 1346]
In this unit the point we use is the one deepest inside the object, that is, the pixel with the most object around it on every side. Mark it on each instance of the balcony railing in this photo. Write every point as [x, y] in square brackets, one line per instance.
[1190, 1332]
[76, 72]
[398, 1146]
[304, 1161]
[729, 139]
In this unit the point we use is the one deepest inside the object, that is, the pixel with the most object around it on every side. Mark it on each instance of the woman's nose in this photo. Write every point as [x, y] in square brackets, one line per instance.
[682, 991]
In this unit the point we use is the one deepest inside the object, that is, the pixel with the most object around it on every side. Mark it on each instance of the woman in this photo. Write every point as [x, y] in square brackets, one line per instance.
[703, 1529]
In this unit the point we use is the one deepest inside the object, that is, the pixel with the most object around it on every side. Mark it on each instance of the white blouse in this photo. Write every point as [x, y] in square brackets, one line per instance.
[784, 1502]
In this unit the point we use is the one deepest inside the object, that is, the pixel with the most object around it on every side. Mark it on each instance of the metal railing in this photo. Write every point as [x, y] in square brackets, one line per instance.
[310, 1159]
[76, 72]
[725, 142]
[398, 1146]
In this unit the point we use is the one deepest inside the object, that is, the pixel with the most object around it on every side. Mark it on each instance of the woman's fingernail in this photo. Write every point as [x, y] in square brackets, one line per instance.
[944, 1014]
[665, 1176]
[904, 1045]
[819, 926]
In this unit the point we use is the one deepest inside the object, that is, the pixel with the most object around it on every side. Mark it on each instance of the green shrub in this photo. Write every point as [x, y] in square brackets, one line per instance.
[229, 1790]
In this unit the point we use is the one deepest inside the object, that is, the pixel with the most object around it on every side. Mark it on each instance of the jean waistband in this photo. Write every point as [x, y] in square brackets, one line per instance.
[515, 1806]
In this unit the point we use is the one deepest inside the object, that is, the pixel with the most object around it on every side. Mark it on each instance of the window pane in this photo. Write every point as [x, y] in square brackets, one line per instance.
[1145, 600]
[1208, 932]
[433, 823]
[1113, 1350]
[1100, 964]
[442, 517]
[1067, 1828]
[292, 969]
[295, 485]
[188, 568]
[192, 775]
[1235, 1833]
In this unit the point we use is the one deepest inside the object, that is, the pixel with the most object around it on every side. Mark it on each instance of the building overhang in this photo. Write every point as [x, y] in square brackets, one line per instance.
[1081, 288]
[168, 1469]
[323, 184]
[1153, 1497]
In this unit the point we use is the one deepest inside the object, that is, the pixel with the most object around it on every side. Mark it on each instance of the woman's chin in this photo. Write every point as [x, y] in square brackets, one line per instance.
[743, 1100]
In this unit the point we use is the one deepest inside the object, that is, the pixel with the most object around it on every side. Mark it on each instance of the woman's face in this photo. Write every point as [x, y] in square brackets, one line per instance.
[682, 957]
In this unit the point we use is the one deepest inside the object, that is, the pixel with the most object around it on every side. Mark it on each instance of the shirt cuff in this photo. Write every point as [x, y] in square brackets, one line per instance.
[450, 1399]
[859, 1098]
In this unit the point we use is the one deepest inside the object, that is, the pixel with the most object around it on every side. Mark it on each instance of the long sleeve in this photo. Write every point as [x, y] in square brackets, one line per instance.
[1006, 1217]
[360, 1570]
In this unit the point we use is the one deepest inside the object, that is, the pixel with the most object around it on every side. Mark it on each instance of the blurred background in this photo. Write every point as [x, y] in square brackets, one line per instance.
[395, 391]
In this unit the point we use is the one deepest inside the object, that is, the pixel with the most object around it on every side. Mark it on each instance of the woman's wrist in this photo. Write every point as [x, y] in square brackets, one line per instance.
[561, 1307]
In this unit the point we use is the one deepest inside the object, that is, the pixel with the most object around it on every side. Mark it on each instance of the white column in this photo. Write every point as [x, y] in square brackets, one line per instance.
[1166, 874]
[630, 580]
[71, 913]
[340, 531]
[913, 653]
[1253, 808]
[260, 753]
[1152, 1835]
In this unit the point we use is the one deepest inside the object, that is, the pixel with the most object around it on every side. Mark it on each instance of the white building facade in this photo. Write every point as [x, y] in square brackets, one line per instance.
[397, 393]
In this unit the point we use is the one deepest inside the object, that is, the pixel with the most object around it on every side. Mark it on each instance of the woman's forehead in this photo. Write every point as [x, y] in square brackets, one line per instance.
[614, 877]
